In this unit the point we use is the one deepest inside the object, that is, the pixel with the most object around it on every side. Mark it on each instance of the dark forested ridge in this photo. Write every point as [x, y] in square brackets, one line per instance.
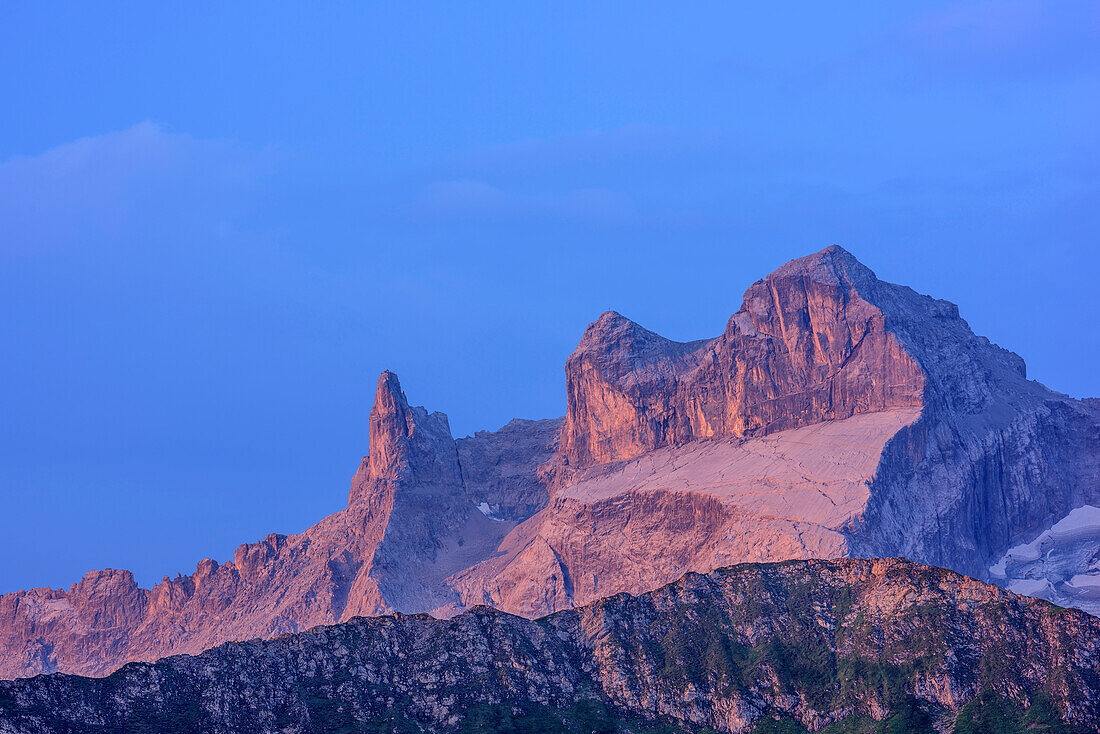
[833, 646]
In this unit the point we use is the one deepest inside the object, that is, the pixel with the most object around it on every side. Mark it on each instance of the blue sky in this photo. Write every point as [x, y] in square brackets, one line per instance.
[221, 221]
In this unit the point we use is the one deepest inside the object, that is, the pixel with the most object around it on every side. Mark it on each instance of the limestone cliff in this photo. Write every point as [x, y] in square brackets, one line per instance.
[806, 346]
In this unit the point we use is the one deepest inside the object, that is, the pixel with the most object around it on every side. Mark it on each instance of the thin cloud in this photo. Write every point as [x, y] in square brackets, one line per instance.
[95, 189]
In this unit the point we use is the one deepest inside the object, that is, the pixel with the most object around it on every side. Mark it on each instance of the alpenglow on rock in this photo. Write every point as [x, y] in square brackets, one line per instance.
[837, 415]
[841, 416]
[806, 346]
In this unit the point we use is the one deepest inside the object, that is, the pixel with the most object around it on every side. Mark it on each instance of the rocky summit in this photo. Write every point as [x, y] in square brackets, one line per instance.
[826, 646]
[836, 416]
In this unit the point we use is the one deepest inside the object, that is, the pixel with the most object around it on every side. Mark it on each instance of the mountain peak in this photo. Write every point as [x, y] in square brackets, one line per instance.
[407, 443]
[832, 266]
[610, 318]
[807, 345]
[390, 426]
[613, 332]
[609, 322]
[388, 395]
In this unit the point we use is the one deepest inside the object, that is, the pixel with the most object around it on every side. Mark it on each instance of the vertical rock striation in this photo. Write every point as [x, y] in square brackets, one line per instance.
[805, 347]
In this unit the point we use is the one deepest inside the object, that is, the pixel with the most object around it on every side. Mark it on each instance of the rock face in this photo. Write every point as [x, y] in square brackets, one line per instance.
[882, 645]
[498, 466]
[806, 346]
[707, 504]
[836, 416]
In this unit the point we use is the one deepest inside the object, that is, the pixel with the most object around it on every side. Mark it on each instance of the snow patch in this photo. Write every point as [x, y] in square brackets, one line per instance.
[493, 513]
[1061, 565]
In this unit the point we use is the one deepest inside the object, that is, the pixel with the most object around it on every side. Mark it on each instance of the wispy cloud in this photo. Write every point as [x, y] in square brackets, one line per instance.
[636, 175]
[95, 188]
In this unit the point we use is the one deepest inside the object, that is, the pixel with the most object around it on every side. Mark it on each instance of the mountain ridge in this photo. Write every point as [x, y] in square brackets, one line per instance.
[836, 415]
[855, 645]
